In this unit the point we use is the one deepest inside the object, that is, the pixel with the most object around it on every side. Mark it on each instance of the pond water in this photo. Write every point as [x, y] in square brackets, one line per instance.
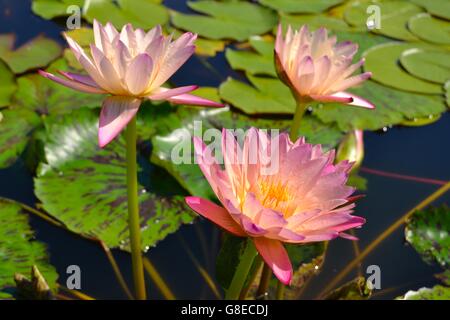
[421, 152]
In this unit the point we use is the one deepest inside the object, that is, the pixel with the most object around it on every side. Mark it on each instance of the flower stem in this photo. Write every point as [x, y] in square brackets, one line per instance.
[242, 271]
[133, 212]
[299, 112]
[264, 282]
[280, 290]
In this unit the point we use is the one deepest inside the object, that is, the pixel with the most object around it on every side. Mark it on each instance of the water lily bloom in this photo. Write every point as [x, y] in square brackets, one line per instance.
[304, 200]
[131, 66]
[318, 68]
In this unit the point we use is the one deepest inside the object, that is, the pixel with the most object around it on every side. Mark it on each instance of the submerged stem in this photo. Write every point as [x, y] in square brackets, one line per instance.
[299, 112]
[133, 211]
[264, 282]
[242, 271]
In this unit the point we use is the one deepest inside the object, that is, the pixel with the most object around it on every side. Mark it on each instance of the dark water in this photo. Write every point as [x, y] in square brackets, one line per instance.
[419, 152]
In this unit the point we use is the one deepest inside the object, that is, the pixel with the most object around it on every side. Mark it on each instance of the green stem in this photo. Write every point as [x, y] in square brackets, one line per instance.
[264, 282]
[280, 290]
[242, 271]
[133, 211]
[299, 112]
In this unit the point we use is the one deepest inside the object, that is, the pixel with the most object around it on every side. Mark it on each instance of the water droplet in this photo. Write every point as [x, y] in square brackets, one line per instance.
[146, 248]
[385, 129]
[144, 191]
[157, 220]
[316, 267]
[60, 173]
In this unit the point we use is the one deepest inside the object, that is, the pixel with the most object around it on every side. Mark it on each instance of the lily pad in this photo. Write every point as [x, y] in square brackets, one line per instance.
[143, 14]
[259, 62]
[394, 17]
[19, 251]
[36, 53]
[264, 96]
[428, 232]
[447, 93]
[433, 66]
[438, 8]
[226, 20]
[392, 107]
[382, 61]
[85, 186]
[313, 21]
[437, 292]
[8, 86]
[49, 9]
[300, 6]
[430, 29]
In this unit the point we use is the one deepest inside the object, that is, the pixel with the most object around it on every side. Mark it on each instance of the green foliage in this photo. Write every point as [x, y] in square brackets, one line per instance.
[433, 66]
[437, 292]
[301, 6]
[356, 289]
[430, 29]
[8, 86]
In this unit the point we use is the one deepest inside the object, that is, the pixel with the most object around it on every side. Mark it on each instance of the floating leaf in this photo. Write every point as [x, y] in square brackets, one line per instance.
[356, 289]
[260, 62]
[49, 9]
[428, 65]
[392, 107]
[436, 293]
[36, 53]
[428, 232]
[394, 17]
[35, 288]
[382, 61]
[300, 6]
[313, 22]
[18, 249]
[418, 122]
[430, 29]
[203, 47]
[447, 93]
[85, 186]
[438, 8]
[143, 14]
[226, 20]
[8, 85]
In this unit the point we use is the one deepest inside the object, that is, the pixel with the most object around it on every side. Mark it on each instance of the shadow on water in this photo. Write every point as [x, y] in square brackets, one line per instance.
[410, 151]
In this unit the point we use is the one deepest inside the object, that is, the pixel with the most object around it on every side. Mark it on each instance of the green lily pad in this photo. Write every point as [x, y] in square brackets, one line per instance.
[143, 14]
[255, 63]
[300, 6]
[438, 8]
[392, 107]
[15, 129]
[8, 87]
[313, 21]
[203, 46]
[356, 289]
[394, 18]
[437, 292]
[49, 9]
[382, 61]
[447, 93]
[267, 95]
[36, 53]
[176, 130]
[19, 251]
[428, 232]
[430, 29]
[418, 122]
[226, 20]
[85, 186]
[433, 66]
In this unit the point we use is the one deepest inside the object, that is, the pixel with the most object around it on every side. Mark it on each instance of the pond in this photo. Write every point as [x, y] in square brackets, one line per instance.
[394, 157]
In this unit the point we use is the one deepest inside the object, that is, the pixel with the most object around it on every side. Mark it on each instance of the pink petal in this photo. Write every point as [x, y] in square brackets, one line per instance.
[358, 101]
[216, 214]
[348, 236]
[164, 93]
[276, 257]
[190, 99]
[72, 84]
[87, 80]
[116, 112]
[337, 97]
[138, 74]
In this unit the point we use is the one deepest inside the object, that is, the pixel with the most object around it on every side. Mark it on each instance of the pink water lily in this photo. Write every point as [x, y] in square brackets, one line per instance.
[305, 200]
[317, 67]
[131, 66]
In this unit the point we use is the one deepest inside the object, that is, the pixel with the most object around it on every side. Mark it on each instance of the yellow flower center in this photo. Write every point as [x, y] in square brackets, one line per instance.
[275, 194]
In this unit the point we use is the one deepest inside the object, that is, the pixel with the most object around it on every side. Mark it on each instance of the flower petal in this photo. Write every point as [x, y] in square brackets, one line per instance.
[276, 257]
[190, 99]
[337, 97]
[164, 93]
[358, 101]
[87, 80]
[72, 84]
[138, 73]
[116, 112]
[216, 214]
